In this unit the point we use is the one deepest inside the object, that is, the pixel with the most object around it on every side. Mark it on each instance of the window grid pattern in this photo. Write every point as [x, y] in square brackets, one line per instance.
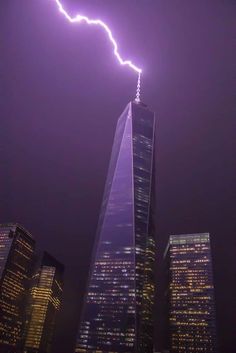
[120, 288]
[44, 305]
[191, 295]
[16, 261]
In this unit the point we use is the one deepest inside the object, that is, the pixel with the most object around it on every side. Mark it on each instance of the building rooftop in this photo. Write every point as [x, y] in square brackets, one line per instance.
[15, 226]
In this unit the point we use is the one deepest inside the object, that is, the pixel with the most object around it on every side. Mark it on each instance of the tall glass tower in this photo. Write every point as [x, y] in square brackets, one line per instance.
[117, 315]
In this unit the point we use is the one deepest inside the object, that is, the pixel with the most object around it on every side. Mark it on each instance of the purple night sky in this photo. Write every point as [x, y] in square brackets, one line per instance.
[61, 93]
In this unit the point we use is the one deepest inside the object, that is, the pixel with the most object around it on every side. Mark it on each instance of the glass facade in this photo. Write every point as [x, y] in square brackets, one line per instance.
[16, 261]
[44, 304]
[192, 322]
[117, 315]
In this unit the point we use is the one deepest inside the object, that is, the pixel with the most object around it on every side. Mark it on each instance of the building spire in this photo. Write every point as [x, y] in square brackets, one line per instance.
[137, 98]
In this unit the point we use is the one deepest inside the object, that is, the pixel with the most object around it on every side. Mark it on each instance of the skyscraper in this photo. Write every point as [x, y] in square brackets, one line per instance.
[191, 306]
[117, 315]
[44, 304]
[16, 261]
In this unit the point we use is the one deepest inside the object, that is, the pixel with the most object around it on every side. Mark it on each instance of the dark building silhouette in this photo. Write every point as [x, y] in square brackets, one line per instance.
[16, 263]
[117, 315]
[44, 305]
[190, 292]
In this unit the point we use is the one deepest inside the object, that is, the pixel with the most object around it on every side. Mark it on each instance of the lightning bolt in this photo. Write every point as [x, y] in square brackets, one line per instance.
[97, 22]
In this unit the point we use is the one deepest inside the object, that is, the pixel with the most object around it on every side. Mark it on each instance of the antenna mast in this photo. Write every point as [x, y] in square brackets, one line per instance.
[137, 98]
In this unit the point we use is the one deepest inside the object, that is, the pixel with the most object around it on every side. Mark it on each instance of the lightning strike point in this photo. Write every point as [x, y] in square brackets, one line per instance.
[97, 22]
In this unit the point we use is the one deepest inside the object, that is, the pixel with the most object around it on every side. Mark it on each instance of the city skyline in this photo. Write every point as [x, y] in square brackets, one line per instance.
[31, 287]
[58, 112]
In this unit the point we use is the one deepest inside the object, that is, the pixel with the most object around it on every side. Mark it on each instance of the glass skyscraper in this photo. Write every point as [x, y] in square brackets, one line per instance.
[117, 315]
[16, 262]
[44, 304]
[191, 305]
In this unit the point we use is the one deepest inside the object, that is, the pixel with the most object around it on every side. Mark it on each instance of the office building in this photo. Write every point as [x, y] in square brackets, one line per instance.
[117, 314]
[44, 305]
[190, 294]
[16, 263]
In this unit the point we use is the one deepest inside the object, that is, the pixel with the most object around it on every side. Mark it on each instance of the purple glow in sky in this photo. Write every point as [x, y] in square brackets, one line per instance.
[80, 18]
